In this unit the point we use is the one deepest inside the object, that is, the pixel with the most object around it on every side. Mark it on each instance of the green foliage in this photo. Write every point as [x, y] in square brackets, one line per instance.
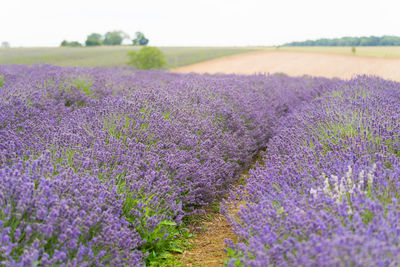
[140, 39]
[385, 40]
[161, 241]
[215, 206]
[84, 85]
[2, 80]
[94, 39]
[353, 50]
[5, 44]
[367, 216]
[114, 38]
[70, 44]
[235, 254]
[113, 126]
[147, 58]
[172, 239]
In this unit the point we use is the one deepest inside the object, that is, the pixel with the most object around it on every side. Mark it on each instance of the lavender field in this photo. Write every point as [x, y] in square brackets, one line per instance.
[327, 192]
[102, 166]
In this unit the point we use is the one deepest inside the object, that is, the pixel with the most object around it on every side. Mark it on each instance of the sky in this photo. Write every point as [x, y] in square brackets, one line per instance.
[196, 23]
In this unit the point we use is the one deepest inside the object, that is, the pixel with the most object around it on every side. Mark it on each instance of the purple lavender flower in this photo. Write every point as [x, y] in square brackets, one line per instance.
[327, 193]
[94, 161]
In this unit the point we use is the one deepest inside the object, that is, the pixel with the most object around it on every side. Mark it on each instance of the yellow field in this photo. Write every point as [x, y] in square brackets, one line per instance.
[296, 63]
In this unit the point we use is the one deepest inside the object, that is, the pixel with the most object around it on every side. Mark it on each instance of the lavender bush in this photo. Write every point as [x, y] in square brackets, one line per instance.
[99, 166]
[327, 193]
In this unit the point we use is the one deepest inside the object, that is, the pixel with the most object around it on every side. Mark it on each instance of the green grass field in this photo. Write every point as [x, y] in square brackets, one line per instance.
[175, 56]
[365, 51]
[111, 55]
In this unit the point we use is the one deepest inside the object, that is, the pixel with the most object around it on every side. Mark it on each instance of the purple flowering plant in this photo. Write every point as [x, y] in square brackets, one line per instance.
[100, 166]
[327, 193]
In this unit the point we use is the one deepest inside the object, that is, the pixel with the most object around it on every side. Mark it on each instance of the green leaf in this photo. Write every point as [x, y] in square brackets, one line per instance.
[177, 250]
[169, 223]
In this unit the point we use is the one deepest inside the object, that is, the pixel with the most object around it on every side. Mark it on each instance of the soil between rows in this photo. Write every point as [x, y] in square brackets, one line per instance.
[208, 246]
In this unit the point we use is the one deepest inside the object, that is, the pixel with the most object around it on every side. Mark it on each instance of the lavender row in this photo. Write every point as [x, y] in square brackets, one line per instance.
[327, 193]
[98, 166]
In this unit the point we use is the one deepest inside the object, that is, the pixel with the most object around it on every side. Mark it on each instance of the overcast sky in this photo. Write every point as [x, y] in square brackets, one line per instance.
[196, 23]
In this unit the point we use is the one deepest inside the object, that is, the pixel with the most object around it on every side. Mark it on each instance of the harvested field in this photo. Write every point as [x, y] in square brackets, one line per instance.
[298, 64]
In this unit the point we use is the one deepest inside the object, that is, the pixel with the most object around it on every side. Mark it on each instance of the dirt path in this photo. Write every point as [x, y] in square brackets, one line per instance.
[208, 245]
[211, 230]
[299, 63]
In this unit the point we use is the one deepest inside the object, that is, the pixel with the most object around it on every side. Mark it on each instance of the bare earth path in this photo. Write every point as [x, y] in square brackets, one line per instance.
[208, 246]
[298, 64]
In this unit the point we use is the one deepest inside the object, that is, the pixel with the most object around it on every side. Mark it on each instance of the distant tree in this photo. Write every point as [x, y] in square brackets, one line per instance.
[389, 40]
[94, 39]
[140, 39]
[114, 38]
[75, 44]
[71, 44]
[369, 41]
[5, 44]
[147, 58]
[351, 41]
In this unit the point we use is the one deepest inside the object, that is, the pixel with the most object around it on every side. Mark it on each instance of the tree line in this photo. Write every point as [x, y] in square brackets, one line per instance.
[386, 40]
[5, 44]
[110, 38]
